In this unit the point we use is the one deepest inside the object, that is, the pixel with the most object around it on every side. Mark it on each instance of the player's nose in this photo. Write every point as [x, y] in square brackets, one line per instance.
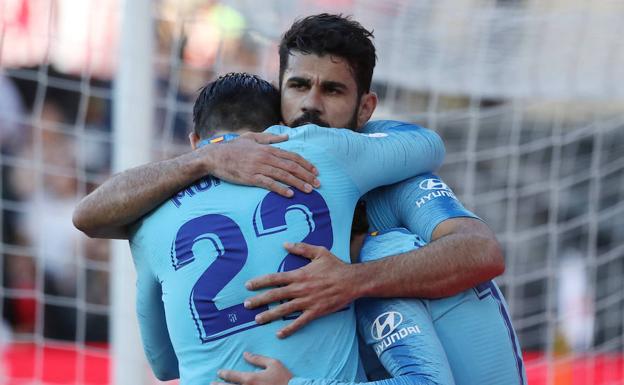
[312, 101]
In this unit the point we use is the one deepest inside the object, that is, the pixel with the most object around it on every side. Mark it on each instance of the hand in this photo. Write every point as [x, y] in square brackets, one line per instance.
[274, 373]
[321, 287]
[248, 160]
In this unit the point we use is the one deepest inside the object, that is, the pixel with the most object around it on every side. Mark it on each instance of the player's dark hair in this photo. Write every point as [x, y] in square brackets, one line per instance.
[360, 222]
[337, 35]
[236, 101]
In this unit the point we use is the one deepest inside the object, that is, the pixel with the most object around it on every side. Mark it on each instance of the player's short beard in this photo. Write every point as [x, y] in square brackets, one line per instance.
[314, 117]
[309, 117]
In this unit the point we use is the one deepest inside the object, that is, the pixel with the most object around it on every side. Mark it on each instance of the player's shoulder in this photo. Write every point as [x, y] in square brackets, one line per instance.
[391, 234]
[419, 183]
[379, 244]
[153, 223]
[309, 132]
[424, 183]
[381, 126]
[278, 129]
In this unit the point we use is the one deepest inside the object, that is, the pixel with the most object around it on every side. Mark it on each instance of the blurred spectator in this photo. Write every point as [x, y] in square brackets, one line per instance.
[11, 116]
[20, 271]
[97, 253]
[574, 302]
[215, 29]
[48, 191]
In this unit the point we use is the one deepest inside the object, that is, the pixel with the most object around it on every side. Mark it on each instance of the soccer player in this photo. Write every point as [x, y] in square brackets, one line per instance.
[326, 67]
[419, 341]
[193, 253]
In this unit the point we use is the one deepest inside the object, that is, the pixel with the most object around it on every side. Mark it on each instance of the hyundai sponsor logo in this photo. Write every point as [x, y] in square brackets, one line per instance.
[434, 194]
[386, 330]
[433, 184]
[385, 324]
[437, 189]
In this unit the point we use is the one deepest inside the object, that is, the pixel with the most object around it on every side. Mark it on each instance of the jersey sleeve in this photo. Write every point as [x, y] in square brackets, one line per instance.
[151, 316]
[373, 159]
[402, 335]
[420, 204]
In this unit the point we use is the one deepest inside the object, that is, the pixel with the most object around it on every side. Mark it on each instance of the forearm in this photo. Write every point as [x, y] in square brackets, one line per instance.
[127, 196]
[445, 267]
[248, 160]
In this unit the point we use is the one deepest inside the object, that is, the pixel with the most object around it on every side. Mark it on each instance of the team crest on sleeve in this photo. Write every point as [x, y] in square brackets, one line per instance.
[386, 331]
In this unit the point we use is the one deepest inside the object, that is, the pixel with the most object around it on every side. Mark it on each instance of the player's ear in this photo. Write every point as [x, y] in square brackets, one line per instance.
[194, 139]
[368, 103]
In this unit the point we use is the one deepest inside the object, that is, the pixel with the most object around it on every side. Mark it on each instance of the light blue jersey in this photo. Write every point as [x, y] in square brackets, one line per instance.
[473, 326]
[194, 253]
[464, 339]
[418, 204]
[396, 333]
[473, 341]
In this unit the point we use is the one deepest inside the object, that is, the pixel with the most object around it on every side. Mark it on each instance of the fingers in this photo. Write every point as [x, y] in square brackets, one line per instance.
[286, 177]
[270, 296]
[233, 376]
[279, 311]
[275, 279]
[293, 157]
[297, 324]
[305, 250]
[266, 138]
[272, 185]
[292, 174]
[258, 360]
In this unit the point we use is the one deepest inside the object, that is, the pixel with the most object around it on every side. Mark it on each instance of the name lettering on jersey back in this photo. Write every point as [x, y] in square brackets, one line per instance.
[203, 184]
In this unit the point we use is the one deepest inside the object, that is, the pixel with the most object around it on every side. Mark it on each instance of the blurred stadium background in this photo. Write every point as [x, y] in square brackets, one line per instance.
[527, 95]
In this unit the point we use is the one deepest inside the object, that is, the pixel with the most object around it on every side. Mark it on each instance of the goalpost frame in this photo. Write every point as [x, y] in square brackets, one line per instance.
[133, 108]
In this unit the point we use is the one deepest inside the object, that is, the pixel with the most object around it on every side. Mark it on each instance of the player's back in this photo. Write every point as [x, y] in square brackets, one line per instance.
[207, 241]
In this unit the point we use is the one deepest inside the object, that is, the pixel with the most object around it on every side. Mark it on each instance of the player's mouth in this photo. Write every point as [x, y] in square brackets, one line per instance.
[309, 117]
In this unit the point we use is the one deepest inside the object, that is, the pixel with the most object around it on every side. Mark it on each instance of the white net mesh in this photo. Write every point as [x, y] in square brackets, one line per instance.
[525, 94]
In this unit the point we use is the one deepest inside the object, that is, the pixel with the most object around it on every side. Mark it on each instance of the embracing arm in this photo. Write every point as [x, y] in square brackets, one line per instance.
[125, 197]
[111, 208]
[463, 253]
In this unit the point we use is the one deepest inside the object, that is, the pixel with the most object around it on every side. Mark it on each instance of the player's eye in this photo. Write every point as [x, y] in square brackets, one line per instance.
[298, 86]
[333, 90]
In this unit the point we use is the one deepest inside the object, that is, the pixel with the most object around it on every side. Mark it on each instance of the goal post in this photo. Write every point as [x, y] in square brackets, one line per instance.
[133, 110]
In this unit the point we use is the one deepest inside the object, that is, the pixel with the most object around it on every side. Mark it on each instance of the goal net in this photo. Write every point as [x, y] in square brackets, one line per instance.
[526, 95]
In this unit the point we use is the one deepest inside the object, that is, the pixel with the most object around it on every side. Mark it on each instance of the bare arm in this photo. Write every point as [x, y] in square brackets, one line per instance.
[127, 196]
[464, 252]
[124, 198]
